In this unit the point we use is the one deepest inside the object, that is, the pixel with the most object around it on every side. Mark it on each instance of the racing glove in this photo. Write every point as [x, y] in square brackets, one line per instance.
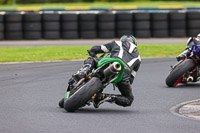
[182, 55]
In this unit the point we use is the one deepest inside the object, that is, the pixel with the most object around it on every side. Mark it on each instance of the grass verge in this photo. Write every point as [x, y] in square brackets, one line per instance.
[106, 4]
[21, 54]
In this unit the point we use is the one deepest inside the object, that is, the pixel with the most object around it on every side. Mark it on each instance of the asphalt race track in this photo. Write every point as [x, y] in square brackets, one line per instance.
[29, 95]
[81, 42]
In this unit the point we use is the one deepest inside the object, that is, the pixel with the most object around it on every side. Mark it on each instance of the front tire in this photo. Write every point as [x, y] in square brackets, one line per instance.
[83, 95]
[176, 73]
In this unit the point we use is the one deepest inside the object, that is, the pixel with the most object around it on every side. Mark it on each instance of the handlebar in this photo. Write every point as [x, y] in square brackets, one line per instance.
[91, 54]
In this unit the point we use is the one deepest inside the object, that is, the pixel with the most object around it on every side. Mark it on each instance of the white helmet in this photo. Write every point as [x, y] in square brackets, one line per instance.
[198, 36]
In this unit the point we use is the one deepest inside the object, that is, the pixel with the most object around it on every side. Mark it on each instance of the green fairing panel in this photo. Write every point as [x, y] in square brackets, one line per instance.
[66, 95]
[106, 60]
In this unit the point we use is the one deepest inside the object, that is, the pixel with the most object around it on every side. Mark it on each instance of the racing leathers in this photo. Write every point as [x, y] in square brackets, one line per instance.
[128, 53]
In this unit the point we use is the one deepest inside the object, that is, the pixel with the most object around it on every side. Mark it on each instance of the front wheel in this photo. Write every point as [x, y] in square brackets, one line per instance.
[83, 95]
[177, 72]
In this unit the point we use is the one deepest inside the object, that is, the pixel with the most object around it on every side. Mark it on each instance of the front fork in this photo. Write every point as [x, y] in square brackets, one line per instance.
[174, 66]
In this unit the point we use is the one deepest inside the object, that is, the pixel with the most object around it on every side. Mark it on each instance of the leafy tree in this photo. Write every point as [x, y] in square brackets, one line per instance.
[4, 2]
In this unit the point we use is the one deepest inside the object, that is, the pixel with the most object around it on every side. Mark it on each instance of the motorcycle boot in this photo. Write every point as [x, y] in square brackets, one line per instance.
[83, 72]
[102, 97]
[86, 69]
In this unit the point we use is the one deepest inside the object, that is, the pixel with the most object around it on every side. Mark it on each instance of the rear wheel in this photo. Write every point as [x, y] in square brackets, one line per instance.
[61, 103]
[176, 74]
[82, 95]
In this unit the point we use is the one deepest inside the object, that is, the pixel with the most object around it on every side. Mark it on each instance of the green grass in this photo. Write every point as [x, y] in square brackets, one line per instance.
[21, 54]
[13, 54]
[106, 4]
[161, 50]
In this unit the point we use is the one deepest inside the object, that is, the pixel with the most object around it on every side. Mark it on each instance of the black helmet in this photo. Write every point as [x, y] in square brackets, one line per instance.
[129, 38]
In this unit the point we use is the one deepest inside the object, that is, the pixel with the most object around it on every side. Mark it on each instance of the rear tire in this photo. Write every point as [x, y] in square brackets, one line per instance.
[61, 103]
[178, 72]
[82, 95]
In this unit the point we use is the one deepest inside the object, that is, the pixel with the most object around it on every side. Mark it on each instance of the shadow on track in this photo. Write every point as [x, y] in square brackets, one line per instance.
[87, 110]
[105, 111]
[186, 86]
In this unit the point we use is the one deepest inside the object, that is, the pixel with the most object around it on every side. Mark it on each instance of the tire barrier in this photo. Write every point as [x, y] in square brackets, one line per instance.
[124, 24]
[142, 24]
[1, 27]
[193, 23]
[92, 25]
[32, 26]
[106, 25]
[13, 26]
[159, 24]
[177, 24]
[69, 26]
[51, 25]
[88, 26]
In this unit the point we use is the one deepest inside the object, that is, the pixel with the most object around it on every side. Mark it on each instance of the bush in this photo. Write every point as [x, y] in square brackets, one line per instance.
[4, 2]
[66, 1]
[48, 1]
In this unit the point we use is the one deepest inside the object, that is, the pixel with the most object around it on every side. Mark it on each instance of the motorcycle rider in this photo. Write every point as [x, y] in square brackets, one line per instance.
[126, 50]
[190, 43]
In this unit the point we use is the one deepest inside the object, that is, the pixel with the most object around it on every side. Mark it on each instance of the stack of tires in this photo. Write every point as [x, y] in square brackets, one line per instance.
[13, 26]
[159, 24]
[1, 26]
[69, 26]
[124, 24]
[106, 25]
[32, 26]
[87, 25]
[177, 24]
[51, 25]
[142, 24]
[193, 23]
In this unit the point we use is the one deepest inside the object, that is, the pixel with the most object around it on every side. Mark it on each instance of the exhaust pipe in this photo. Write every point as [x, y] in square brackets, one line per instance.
[112, 69]
[116, 67]
[190, 79]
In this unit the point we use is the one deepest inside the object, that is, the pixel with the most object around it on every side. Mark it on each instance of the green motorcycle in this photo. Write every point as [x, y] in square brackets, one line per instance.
[84, 91]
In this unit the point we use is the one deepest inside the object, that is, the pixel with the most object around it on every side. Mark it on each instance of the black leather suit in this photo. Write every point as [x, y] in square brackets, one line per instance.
[128, 53]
